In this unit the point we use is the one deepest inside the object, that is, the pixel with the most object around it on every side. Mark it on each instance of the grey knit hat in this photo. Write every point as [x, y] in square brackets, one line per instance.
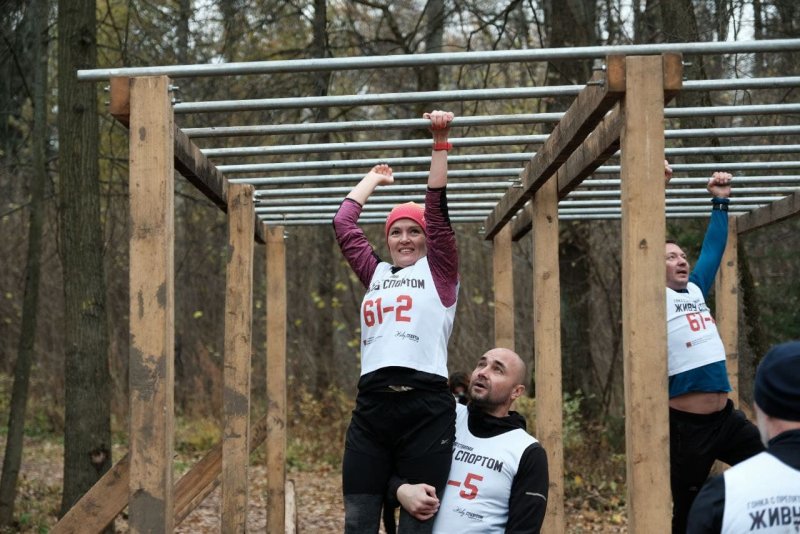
[777, 383]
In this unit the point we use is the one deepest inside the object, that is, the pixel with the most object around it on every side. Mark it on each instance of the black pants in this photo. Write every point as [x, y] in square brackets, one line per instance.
[696, 440]
[409, 434]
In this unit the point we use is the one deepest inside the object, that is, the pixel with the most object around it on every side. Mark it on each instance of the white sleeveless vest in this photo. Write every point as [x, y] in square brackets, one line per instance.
[692, 337]
[762, 495]
[403, 321]
[479, 486]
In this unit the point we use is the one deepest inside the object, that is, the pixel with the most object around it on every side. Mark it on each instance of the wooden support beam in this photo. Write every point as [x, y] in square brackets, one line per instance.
[152, 305]
[644, 331]
[189, 160]
[100, 505]
[603, 142]
[238, 348]
[727, 307]
[592, 153]
[109, 496]
[276, 380]
[503, 271]
[547, 347]
[580, 119]
[779, 210]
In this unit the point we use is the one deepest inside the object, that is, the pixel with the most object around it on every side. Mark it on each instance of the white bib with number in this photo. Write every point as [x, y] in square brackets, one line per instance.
[479, 486]
[692, 337]
[762, 494]
[403, 321]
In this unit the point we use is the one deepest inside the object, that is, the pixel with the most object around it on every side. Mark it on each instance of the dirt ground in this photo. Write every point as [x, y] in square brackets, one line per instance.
[318, 494]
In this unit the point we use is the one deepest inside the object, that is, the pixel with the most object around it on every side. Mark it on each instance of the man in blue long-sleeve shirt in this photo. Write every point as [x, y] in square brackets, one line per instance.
[704, 426]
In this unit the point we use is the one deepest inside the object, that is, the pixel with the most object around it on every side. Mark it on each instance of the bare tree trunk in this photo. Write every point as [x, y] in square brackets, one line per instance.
[428, 76]
[22, 369]
[322, 276]
[87, 426]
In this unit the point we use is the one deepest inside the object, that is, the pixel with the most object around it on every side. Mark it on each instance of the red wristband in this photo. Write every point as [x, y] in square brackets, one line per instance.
[443, 146]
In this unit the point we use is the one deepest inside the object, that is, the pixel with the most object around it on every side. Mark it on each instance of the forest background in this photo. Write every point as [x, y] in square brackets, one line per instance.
[64, 222]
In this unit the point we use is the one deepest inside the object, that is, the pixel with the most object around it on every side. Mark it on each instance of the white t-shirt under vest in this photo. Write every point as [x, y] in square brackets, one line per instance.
[403, 321]
[692, 337]
[762, 495]
[479, 486]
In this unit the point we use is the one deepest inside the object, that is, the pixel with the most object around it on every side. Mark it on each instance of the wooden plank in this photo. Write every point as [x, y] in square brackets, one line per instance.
[109, 496]
[503, 270]
[580, 119]
[238, 347]
[603, 142]
[100, 505]
[291, 508]
[672, 67]
[727, 309]
[189, 160]
[593, 152]
[152, 308]
[204, 476]
[777, 211]
[521, 225]
[276, 380]
[644, 339]
[547, 347]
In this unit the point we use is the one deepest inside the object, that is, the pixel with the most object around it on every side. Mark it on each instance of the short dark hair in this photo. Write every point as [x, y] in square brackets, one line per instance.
[671, 242]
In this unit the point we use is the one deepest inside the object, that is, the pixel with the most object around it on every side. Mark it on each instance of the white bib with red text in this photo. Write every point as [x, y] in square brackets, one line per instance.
[403, 321]
[692, 337]
[481, 474]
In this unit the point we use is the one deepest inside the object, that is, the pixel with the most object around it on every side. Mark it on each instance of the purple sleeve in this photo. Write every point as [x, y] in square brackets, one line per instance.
[354, 244]
[442, 251]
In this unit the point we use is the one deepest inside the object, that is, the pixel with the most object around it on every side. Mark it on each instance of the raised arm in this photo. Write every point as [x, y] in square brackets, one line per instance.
[716, 238]
[354, 244]
[442, 251]
[380, 174]
[440, 128]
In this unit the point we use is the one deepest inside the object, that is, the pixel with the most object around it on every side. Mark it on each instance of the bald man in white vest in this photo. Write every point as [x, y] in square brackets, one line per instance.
[498, 477]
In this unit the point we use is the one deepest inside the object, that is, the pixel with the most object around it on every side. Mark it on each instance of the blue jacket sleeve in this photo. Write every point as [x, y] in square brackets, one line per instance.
[713, 248]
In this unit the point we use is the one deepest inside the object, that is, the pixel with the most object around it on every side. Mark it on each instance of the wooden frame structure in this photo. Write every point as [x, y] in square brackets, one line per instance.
[623, 106]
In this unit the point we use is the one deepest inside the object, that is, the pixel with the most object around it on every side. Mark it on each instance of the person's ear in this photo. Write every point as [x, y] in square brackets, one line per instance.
[518, 390]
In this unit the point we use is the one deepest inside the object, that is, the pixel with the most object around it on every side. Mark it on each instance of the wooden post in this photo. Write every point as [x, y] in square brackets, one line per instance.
[238, 347]
[276, 380]
[644, 330]
[727, 298]
[152, 311]
[547, 347]
[503, 270]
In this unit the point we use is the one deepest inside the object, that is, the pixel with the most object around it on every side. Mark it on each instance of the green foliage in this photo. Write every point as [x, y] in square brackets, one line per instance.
[317, 427]
[197, 435]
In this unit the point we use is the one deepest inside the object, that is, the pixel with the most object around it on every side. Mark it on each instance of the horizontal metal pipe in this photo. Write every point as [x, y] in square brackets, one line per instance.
[291, 206]
[417, 188]
[466, 122]
[582, 193]
[439, 59]
[266, 195]
[463, 142]
[389, 144]
[360, 126]
[458, 95]
[400, 175]
[484, 158]
[366, 164]
[473, 219]
[700, 181]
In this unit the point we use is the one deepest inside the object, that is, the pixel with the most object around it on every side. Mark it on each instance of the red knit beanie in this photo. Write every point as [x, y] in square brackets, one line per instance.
[409, 210]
